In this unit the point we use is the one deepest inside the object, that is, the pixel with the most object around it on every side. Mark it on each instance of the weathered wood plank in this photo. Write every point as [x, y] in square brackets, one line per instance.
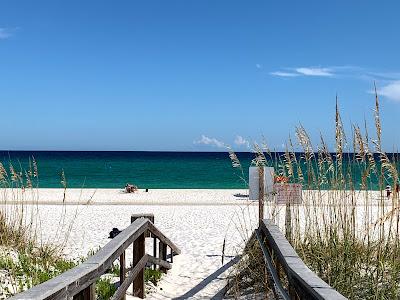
[134, 217]
[299, 275]
[60, 286]
[260, 194]
[150, 217]
[130, 278]
[160, 262]
[154, 250]
[162, 248]
[70, 283]
[277, 241]
[138, 254]
[163, 238]
[279, 291]
[113, 249]
[122, 271]
[330, 294]
[88, 293]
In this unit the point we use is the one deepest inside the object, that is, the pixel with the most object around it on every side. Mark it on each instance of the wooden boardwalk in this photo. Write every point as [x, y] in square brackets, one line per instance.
[196, 273]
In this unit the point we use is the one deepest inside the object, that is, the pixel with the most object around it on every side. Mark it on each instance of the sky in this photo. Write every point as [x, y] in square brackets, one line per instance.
[193, 75]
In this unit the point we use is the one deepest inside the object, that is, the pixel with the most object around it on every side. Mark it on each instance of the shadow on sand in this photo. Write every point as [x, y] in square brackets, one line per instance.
[207, 280]
[240, 195]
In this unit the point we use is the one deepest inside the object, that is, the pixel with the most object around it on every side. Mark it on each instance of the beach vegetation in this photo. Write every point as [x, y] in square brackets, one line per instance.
[152, 276]
[105, 288]
[347, 227]
[25, 259]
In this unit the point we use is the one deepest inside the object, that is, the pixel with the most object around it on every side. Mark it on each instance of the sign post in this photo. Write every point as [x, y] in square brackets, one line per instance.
[260, 194]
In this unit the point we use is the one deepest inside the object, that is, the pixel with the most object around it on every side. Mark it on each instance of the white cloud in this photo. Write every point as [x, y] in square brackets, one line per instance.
[390, 80]
[205, 140]
[284, 74]
[305, 71]
[258, 66]
[5, 33]
[391, 91]
[240, 141]
[315, 71]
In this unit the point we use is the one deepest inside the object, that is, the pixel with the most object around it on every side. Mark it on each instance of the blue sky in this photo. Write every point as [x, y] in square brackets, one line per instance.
[192, 75]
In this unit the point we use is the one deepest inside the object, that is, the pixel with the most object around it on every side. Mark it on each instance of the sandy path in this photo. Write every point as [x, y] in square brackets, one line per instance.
[198, 230]
[197, 221]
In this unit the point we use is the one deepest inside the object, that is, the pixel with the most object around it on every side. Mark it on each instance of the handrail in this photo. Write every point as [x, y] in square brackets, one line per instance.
[302, 282]
[135, 272]
[279, 290]
[78, 282]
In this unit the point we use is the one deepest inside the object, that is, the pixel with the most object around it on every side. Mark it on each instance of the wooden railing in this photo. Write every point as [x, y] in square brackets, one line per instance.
[79, 282]
[282, 261]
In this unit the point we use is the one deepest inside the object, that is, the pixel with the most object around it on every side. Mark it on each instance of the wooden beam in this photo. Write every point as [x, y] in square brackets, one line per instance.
[160, 262]
[260, 194]
[162, 248]
[130, 278]
[122, 272]
[150, 217]
[83, 276]
[163, 238]
[302, 281]
[138, 254]
[88, 293]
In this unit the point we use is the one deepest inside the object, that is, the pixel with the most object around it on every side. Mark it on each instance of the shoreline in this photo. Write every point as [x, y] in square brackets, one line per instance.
[88, 196]
[165, 197]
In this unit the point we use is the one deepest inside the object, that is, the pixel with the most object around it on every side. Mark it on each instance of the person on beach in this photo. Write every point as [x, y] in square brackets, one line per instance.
[388, 191]
[130, 188]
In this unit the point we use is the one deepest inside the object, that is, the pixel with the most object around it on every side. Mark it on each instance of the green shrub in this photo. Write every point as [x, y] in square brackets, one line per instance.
[152, 275]
[105, 289]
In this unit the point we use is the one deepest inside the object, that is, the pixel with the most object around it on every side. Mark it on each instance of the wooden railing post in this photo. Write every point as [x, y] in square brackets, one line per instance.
[138, 253]
[88, 293]
[154, 250]
[122, 270]
[79, 282]
[134, 217]
[260, 194]
[162, 250]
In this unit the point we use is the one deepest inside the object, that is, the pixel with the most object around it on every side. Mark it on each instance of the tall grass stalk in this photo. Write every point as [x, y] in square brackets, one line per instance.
[346, 229]
[26, 257]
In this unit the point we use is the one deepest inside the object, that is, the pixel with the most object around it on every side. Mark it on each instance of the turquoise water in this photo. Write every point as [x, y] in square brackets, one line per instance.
[211, 170]
[203, 170]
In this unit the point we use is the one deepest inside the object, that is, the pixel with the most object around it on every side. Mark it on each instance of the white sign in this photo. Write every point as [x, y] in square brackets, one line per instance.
[254, 182]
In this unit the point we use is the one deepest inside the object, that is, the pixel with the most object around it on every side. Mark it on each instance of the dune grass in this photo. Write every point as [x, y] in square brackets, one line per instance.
[346, 230]
[25, 259]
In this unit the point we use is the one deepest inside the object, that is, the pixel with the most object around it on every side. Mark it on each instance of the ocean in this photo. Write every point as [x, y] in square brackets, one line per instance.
[153, 170]
[113, 169]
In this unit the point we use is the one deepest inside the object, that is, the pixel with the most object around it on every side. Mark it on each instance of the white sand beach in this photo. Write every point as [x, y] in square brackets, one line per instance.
[197, 221]
[119, 196]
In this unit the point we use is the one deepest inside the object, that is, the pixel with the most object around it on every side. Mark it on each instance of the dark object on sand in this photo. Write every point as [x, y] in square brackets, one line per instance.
[388, 191]
[130, 188]
[147, 190]
[114, 232]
